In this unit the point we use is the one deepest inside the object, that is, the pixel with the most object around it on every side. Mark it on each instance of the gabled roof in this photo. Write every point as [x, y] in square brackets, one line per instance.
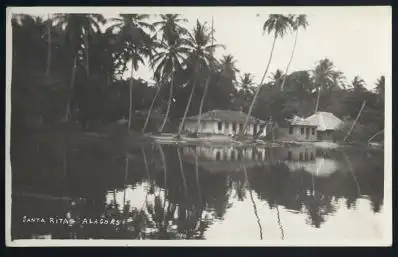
[324, 121]
[225, 115]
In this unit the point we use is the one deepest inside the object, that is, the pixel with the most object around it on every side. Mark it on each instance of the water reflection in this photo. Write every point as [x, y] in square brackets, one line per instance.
[192, 192]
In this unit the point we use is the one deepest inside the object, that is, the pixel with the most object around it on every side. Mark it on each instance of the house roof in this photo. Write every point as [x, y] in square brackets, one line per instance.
[225, 115]
[324, 121]
[298, 121]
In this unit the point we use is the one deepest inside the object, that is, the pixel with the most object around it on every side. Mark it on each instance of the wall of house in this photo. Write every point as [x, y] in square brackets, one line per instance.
[212, 127]
[296, 135]
[327, 135]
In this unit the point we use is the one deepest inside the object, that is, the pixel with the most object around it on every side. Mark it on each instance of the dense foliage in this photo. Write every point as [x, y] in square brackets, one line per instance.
[67, 68]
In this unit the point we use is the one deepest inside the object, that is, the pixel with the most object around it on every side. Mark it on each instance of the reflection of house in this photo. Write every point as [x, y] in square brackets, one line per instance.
[305, 158]
[224, 122]
[319, 126]
[226, 158]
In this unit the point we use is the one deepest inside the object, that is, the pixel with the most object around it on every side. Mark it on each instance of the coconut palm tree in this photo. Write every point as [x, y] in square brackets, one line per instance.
[170, 26]
[169, 58]
[358, 84]
[135, 44]
[199, 60]
[298, 21]
[78, 28]
[325, 76]
[278, 25]
[380, 88]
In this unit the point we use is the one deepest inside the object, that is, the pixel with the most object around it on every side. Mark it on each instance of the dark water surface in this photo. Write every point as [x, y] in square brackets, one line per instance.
[99, 191]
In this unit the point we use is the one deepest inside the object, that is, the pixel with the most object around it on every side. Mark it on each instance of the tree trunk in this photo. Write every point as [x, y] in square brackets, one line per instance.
[86, 52]
[131, 95]
[187, 108]
[150, 109]
[317, 99]
[258, 88]
[356, 120]
[168, 104]
[48, 66]
[68, 111]
[370, 139]
[290, 61]
[201, 104]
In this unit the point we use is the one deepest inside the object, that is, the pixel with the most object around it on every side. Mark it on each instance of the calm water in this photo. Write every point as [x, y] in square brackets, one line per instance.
[65, 191]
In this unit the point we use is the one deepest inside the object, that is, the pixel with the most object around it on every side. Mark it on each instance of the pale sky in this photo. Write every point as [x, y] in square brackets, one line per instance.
[356, 39]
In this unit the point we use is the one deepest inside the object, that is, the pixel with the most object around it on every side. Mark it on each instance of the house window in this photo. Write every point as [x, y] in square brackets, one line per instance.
[219, 125]
[313, 131]
[312, 156]
[240, 127]
[234, 127]
[290, 130]
[218, 157]
[302, 130]
[300, 156]
[306, 156]
[226, 125]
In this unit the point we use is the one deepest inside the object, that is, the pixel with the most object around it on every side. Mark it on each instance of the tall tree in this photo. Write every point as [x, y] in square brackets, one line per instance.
[380, 88]
[278, 25]
[298, 21]
[200, 59]
[171, 54]
[78, 28]
[325, 77]
[135, 44]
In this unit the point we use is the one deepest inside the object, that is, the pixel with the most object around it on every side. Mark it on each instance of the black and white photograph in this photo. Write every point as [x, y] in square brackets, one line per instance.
[233, 126]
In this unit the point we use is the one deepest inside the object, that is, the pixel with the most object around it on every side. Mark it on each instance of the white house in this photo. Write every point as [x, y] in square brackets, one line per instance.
[224, 122]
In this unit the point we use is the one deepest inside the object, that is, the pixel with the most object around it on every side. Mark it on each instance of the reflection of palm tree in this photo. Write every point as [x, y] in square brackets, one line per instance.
[184, 181]
[254, 204]
[353, 173]
[197, 178]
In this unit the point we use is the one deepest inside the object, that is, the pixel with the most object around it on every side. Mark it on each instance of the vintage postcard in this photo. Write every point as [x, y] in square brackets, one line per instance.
[194, 126]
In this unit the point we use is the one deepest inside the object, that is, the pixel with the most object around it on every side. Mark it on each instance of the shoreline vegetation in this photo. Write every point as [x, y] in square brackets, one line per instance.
[74, 86]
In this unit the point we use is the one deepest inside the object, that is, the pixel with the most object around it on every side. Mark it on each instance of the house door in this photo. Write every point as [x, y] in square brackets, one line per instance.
[254, 129]
[307, 132]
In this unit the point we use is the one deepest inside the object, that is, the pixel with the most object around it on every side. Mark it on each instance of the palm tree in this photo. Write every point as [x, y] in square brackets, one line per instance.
[135, 44]
[380, 88]
[276, 78]
[78, 28]
[358, 84]
[170, 27]
[173, 51]
[200, 59]
[297, 21]
[278, 24]
[324, 76]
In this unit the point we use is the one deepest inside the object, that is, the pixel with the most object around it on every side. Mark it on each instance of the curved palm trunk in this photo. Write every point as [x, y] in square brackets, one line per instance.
[201, 104]
[258, 89]
[68, 111]
[168, 104]
[290, 61]
[356, 120]
[131, 95]
[186, 109]
[150, 109]
[317, 99]
[370, 139]
[48, 65]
